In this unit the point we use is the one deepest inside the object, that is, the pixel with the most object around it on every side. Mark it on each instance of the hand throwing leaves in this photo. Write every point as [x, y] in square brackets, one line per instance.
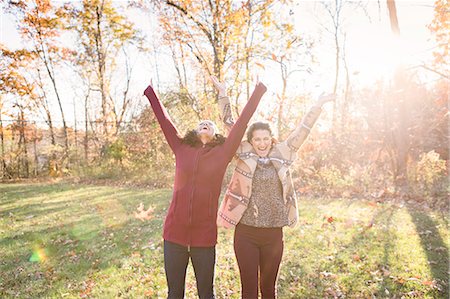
[220, 86]
[143, 214]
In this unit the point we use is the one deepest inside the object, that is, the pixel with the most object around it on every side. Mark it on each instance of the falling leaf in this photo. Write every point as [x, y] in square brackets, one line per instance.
[143, 214]
[260, 65]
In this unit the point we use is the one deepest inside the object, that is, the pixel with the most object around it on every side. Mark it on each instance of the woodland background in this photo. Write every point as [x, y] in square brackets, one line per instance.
[80, 148]
[71, 102]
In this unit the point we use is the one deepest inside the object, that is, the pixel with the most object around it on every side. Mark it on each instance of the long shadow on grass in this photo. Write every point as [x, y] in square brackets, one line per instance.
[49, 206]
[433, 245]
[14, 192]
[69, 257]
[366, 237]
[388, 248]
[75, 248]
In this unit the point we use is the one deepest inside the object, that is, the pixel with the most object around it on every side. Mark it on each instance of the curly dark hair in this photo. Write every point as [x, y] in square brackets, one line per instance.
[192, 139]
[259, 125]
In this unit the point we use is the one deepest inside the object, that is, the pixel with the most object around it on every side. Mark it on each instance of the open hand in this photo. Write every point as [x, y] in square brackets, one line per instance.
[220, 86]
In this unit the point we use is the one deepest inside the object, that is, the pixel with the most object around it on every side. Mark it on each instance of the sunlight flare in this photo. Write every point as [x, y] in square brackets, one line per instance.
[39, 255]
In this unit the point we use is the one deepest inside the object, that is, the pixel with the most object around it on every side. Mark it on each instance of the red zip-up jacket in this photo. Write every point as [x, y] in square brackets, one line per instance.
[191, 219]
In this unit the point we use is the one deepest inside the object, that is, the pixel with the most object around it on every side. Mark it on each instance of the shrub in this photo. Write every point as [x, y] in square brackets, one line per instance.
[430, 177]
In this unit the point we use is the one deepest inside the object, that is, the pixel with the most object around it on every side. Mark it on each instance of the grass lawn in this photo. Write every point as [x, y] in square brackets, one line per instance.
[60, 240]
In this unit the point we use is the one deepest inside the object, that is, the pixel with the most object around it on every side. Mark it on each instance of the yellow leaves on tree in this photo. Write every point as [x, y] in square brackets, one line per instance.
[440, 27]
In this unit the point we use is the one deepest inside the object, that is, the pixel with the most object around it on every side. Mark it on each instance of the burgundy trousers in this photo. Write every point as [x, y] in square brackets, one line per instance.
[258, 252]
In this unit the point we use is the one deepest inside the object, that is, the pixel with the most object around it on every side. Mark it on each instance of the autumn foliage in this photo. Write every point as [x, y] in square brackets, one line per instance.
[383, 140]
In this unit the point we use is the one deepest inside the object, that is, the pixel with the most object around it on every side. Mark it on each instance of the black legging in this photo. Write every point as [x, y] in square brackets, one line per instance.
[176, 258]
[258, 250]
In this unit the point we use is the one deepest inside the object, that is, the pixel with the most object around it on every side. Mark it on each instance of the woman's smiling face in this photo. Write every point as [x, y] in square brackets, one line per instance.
[261, 142]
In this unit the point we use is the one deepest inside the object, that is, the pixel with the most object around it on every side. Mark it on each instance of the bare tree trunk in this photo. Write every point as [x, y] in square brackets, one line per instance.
[282, 97]
[402, 134]
[393, 17]
[50, 126]
[86, 128]
[36, 160]
[337, 59]
[49, 69]
[23, 141]
[345, 103]
[155, 58]
[125, 100]
[75, 124]
[17, 159]
[101, 68]
[44, 104]
[3, 163]
[334, 13]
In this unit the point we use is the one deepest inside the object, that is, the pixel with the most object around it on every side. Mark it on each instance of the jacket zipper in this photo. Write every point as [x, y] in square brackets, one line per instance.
[192, 196]
[210, 204]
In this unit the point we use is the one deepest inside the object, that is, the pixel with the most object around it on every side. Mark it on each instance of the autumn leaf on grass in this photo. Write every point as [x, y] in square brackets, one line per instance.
[143, 214]
[429, 283]
[329, 219]
[149, 293]
[356, 258]
[87, 288]
[399, 280]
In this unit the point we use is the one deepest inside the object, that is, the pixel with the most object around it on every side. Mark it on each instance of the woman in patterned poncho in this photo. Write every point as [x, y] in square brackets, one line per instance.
[260, 201]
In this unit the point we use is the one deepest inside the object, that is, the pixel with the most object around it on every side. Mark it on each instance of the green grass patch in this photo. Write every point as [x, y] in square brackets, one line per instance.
[64, 240]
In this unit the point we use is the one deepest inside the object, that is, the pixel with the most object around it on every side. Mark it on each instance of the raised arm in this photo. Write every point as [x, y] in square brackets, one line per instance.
[299, 135]
[224, 104]
[237, 132]
[167, 126]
